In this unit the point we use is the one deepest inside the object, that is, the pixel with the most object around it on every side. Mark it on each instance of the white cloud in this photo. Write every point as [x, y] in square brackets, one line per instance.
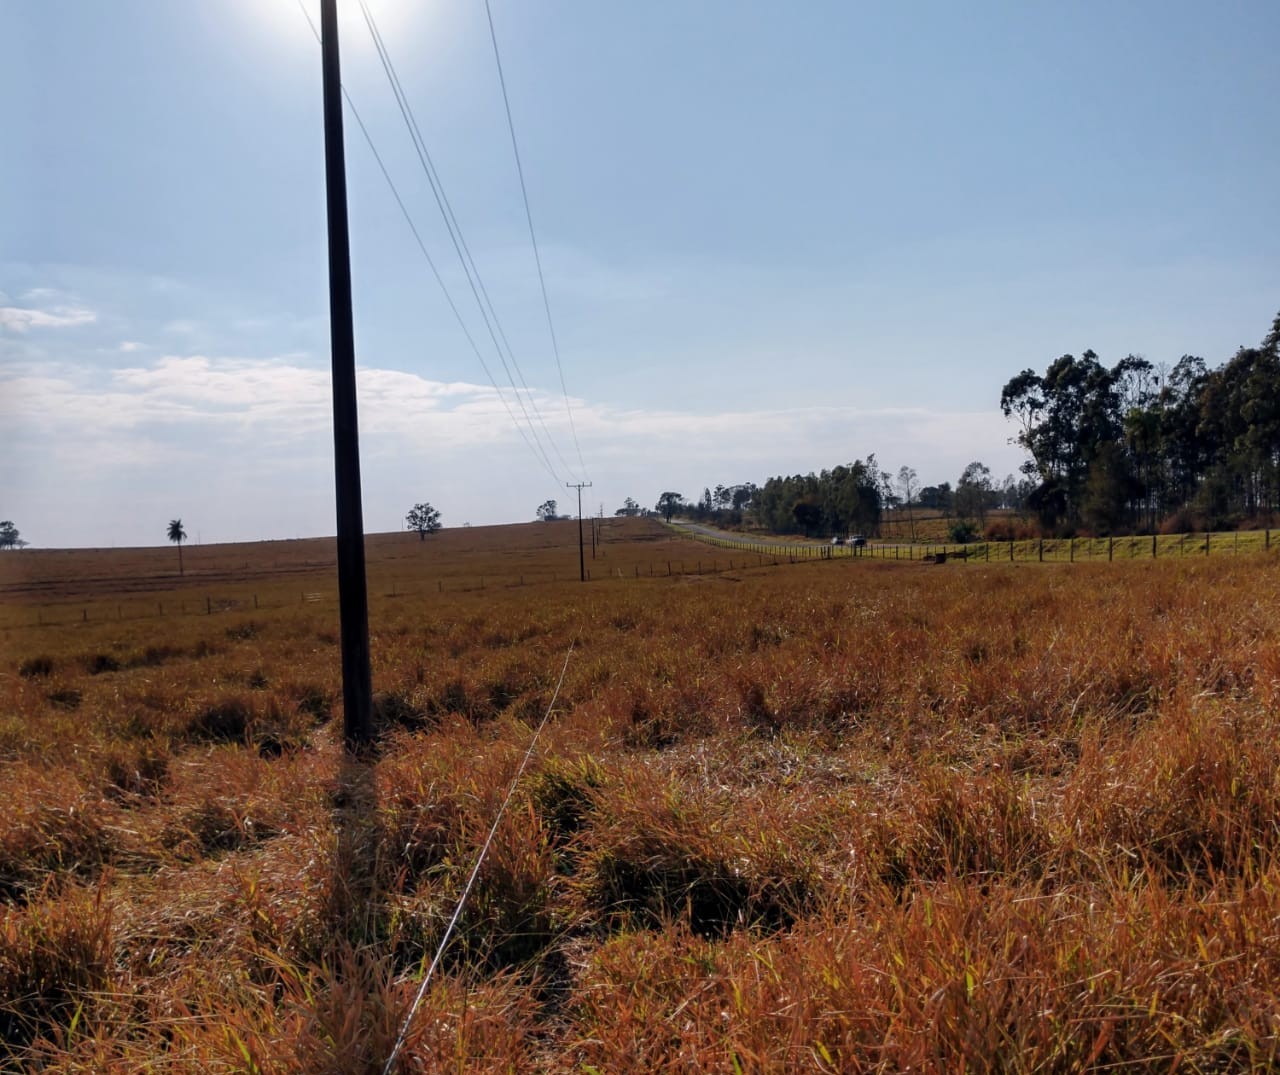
[128, 347]
[264, 424]
[21, 319]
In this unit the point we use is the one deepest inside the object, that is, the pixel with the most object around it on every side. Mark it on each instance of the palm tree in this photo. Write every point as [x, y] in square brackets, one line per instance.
[178, 536]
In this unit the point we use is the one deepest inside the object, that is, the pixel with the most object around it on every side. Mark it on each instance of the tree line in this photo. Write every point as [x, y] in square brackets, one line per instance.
[1142, 447]
[1136, 447]
[849, 499]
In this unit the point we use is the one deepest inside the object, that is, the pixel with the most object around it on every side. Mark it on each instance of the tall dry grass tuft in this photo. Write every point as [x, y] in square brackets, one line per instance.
[56, 957]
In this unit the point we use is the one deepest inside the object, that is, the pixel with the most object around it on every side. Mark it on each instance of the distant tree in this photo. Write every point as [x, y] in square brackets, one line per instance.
[547, 511]
[629, 507]
[424, 519]
[669, 503]
[1108, 489]
[909, 486]
[741, 495]
[9, 537]
[974, 492]
[177, 535]
[807, 514]
[939, 497]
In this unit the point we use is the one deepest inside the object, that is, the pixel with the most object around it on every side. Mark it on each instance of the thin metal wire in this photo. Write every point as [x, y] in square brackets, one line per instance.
[472, 272]
[462, 324]
[475, 872]
[533, 238]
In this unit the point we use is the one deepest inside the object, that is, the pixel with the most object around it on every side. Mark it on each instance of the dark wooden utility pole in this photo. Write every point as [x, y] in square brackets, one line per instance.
[582, 555]
[353, 597]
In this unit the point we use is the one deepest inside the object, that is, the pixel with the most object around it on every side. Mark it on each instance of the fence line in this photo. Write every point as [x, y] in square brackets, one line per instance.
[1038, 550]
[757, 553]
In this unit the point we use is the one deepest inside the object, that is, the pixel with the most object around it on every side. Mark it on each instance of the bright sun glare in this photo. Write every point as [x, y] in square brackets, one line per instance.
[285, 17]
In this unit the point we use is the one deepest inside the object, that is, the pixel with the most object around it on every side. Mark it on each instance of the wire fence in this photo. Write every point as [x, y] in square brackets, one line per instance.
[1036, 550]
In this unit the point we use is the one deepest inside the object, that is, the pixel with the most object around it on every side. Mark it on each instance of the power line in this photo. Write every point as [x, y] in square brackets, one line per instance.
[533, 238]
[475, 871]
[540, 457]
[472, 272]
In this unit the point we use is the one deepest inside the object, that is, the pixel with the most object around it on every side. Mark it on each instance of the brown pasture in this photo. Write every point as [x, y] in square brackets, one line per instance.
[835, 816]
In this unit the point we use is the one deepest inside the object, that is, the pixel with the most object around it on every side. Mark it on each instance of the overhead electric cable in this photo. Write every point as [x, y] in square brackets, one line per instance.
[462, 324]
[533, 238]
[472, 272]
[487, 311]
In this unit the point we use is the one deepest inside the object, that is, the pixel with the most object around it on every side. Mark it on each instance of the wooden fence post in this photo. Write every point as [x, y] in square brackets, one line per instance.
[1153, 546]
[1042, 550]
[1111, 546]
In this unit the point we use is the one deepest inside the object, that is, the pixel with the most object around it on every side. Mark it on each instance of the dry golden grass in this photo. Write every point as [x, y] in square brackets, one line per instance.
[837, 816]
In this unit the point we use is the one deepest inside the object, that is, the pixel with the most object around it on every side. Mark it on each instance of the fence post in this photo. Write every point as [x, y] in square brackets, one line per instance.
[255, 600]
[1111, 546]
[84, 615]
[1153, 547]
[1071, 551]
[1042, 550]
[208, 606]
[1266, 540]
[1206, 543]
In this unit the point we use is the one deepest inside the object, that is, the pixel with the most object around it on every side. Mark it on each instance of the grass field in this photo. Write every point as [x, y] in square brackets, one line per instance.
[837, 816]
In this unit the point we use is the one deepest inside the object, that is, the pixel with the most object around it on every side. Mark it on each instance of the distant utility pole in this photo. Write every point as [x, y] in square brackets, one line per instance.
[353, 597]
[582, 555]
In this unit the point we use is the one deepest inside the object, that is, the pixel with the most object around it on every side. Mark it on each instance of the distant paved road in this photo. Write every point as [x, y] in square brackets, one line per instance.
[767, 544]
[877, 549]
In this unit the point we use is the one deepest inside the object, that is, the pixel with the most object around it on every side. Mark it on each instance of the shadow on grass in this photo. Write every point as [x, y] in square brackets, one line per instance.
[355, 895]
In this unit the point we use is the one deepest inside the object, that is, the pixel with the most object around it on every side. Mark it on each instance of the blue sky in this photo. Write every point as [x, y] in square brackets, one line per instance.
[776, 237]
